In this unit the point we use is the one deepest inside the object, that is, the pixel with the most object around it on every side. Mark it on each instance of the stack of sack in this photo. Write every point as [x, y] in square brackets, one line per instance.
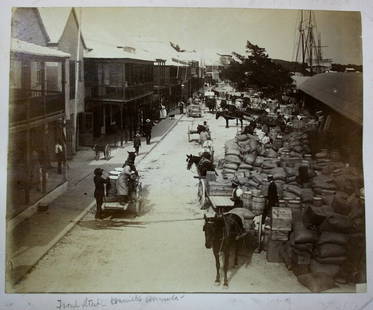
[302, 241]
[296, 144]
[232, 159]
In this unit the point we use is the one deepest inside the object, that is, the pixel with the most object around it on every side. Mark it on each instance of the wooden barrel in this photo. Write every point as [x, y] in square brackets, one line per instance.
[317, 201]
[113, 183]
[257, 205]
[294, 204]
[282, 203]
[246, 199]
[308, 157]
[114, 173]
[256, 192]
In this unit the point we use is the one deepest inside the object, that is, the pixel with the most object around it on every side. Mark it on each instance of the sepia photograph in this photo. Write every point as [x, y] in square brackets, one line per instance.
[184, 150]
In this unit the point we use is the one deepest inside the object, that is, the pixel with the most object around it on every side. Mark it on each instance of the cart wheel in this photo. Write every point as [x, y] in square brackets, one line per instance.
[202, 193]
[107, 152]
[138, 199]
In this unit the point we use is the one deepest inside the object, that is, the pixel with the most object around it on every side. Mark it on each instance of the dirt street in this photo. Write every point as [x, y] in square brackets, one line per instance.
[161, 250]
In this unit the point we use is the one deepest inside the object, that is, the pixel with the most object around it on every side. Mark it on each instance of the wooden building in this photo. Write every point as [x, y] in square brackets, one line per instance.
[36, 122]
[62, 27]
[119, 92]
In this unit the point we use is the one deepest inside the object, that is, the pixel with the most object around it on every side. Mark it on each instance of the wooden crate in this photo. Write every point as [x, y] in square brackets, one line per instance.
[273, 251]
[281, 219]
[280, 235]
[219, 189]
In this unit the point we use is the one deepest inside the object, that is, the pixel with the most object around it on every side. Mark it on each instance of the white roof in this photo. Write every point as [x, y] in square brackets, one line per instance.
[18, 46]
[54, 20]
[106, 50]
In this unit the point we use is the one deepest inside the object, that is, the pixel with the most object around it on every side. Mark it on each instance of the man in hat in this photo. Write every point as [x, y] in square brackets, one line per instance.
[137, 143]
[272, 198]
[99, 190]
[148, 130]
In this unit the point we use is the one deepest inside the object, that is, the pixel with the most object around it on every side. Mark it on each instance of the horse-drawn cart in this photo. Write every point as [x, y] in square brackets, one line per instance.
[218, 195]
[113, 202]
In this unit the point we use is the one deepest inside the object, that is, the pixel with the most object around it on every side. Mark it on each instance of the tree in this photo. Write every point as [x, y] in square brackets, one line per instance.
[256, 70]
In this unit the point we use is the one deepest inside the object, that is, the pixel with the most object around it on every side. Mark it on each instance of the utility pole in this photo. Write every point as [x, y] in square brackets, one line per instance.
[77, 70]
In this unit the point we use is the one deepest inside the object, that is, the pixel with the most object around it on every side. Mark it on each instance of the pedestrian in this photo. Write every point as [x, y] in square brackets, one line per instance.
[272, 198]
[148, 130]
[203, 136]
[137, 143]
[99, 190]
[236, 195]
[181, 106]
[60, 156]
[122, 185]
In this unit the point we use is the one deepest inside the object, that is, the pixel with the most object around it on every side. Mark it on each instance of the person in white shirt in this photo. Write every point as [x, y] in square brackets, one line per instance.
[60, 156]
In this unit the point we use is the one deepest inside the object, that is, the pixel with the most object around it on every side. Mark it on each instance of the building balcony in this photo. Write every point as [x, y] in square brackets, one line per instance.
[125, 93]
[29, 105]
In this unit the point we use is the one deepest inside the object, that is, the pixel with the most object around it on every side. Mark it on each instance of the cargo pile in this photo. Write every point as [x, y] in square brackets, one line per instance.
[320, 236]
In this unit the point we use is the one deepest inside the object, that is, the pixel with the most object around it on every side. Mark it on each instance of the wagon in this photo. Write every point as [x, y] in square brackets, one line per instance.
[111, 200]
[218, 196]
[194, 110]
[192, 130]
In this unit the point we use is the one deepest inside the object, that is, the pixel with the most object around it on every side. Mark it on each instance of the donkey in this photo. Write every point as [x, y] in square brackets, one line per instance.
[221, 232]
[228, 116]
[203, 167]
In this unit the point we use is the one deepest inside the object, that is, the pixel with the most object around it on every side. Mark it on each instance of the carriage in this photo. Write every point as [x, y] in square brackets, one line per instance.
[111, 201]
[193, 130]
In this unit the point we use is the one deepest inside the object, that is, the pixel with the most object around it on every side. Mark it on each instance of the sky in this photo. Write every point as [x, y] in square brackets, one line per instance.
[227, 30]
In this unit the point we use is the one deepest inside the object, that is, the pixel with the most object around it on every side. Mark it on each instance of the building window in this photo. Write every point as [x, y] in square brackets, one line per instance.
[72, 79]
[54, 76]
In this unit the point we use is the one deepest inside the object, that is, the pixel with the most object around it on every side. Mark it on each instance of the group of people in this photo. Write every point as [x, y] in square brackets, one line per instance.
[126, 183]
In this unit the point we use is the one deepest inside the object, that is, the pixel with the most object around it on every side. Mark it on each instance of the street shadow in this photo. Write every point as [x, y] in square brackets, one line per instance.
[110, 224]
[245, 254]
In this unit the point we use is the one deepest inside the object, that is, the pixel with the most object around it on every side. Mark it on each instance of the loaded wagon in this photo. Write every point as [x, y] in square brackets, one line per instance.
[112, 202]
[217, 194]
[194, 130]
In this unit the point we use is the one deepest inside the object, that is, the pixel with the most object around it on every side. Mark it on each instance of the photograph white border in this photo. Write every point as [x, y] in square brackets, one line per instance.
[356, 301]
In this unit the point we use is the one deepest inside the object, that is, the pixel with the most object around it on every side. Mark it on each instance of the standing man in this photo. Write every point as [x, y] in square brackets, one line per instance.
[181, 106]
[137, 143]
[148, 130]
[60, 156]
[99, 190]
[272, 198]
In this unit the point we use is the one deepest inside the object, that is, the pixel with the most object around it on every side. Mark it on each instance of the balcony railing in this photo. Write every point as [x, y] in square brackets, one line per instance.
[34, 104]
[121, 93]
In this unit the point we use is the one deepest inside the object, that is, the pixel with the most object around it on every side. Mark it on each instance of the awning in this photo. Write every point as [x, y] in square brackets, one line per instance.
[341, 91]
